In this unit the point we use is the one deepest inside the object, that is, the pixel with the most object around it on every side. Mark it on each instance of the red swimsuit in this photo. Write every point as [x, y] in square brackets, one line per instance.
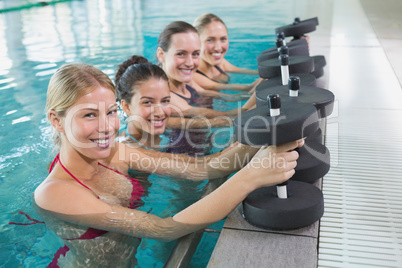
[92, 233]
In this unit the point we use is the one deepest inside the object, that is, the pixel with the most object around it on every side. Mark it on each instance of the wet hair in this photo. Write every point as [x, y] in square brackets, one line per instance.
[133, 72]
[165, 37]
[202, 21]
[68, 84]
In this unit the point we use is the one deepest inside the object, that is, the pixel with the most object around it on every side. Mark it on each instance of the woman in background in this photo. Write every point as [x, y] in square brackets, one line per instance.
[178, 54]
[143, 91]
[213, 68]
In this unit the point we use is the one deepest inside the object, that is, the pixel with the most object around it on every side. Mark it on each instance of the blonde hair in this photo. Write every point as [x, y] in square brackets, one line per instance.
[68, 84]
[202, 21]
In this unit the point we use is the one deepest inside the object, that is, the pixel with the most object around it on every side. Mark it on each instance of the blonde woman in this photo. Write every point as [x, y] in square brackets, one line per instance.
[213, 69]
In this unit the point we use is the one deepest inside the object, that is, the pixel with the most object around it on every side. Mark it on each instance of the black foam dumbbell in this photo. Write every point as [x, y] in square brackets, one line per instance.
[293, 50]
[314, 159]
[307, 79]
[299, 27]
[294, 91]
[296, 64]
[293, 204]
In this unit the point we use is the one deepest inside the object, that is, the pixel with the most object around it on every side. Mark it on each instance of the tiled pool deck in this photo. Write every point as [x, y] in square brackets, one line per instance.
[361, 226]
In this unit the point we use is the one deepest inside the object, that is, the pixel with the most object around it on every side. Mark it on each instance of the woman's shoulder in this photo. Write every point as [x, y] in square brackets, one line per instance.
[226, 66]
[55, 191]
[200, 77]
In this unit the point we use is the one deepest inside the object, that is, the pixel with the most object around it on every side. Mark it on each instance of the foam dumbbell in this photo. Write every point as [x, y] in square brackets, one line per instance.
[307, 79]
[293, 204]
[293, 50]
[298, 64]
[299, 27]
[322, 99]
[314, 160]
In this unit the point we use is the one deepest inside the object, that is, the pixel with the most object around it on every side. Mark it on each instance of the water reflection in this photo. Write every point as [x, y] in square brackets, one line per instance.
[33, 44]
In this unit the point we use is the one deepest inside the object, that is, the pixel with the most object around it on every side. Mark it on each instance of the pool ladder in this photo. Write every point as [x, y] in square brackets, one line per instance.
[185, 247]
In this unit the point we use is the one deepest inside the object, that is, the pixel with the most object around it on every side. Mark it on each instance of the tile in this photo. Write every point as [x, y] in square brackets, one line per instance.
[393, 50]
[237, 248]
[385, 18]
[386, 22]
[363, 78]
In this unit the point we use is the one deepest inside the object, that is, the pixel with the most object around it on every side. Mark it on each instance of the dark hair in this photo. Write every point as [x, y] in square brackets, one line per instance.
[172, 28]
[202, 21]
[133, 72]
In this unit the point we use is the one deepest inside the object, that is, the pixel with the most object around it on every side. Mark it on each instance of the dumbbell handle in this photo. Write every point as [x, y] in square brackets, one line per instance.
[284, 60]
[279, 43]
[294, 86]
[274, 102]
[282, 191]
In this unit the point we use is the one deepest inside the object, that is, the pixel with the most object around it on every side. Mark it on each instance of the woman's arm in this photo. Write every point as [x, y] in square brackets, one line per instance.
[270, 166]
[199, 122]
[181, 166]
[208, 84]
[219, 95]
[180, 108]
[77, 205]
[208, 113]
[230, 160]
[230, 68]
[250, 104]
[258, 173]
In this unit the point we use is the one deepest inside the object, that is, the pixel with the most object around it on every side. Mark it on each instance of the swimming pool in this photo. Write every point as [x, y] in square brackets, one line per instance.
[35, 42]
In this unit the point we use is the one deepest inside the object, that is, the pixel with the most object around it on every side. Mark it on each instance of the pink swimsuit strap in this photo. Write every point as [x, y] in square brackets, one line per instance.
[57, 159]
[118, 172]
[136, 194]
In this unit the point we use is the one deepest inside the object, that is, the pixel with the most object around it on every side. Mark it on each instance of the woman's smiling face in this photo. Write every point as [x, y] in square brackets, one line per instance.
[182, 58]
[149, 108]
[91, 123]
[214, 42]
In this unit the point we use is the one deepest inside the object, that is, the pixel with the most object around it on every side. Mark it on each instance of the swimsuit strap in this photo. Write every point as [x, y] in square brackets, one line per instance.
[54, 162]
[118, 172]
[198, 71]
[181, 96]
[192, 90]
[224, 73]
[219, 69]
[57, 159]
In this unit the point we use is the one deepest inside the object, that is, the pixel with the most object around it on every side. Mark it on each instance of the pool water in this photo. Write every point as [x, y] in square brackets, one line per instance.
[35, 42]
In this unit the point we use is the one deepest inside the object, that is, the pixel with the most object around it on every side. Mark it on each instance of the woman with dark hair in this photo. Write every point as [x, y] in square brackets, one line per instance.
[143, 91]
